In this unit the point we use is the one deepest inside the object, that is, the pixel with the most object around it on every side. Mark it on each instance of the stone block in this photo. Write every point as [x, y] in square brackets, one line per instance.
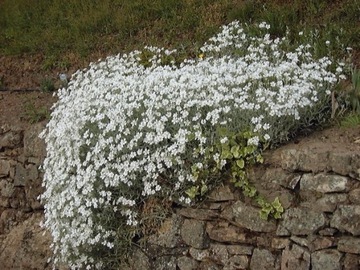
[220, 194]
[328, 259]
[248, 217]
[193, 233]
[187, 263]
[262, 259]
[6, 188]
[324, 183]
[319, 243]
[4, 167]
[302, 221]
[11, 139]
[295, 257]
[329, 202]
[237, 262]
[33, 145]
[199, 254]
[169, 233]
[354, 196]
[219, 253]
[349, 245]
[240, 250]
[228, 234]
[346, 218]
[351, 262]
[280, 243]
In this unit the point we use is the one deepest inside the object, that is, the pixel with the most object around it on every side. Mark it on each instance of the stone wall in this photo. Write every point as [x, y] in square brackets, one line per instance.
[318, 185]
[23, 244]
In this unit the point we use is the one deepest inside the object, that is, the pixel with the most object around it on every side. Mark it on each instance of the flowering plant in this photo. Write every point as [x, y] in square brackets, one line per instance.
[130, 127]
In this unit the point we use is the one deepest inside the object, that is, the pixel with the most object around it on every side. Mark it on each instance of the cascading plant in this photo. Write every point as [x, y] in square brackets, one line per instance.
[143, 125]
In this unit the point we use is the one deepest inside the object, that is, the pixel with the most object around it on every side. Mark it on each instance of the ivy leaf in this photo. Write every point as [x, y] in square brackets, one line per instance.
[277, 205]
[259, 159]
[235, 151]
[240, 163]
[203, 190]
[192, 192]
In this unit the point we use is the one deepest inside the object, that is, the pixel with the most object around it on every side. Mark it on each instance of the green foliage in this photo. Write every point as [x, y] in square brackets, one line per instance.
[34, 114]
[239, 156]
[55, 26]
[47, 85]
[354, 94]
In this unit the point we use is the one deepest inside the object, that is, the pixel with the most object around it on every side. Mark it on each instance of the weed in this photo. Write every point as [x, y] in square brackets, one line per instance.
[34, 114]
[350, 120]
[47, 85]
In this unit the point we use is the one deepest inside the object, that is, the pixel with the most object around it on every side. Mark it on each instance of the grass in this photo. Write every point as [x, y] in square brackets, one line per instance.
[56, 28]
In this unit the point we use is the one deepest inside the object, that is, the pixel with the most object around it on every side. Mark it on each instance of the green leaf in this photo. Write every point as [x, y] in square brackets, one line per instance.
[259, 159]
[192, 192]
[235, 151]
[240, 163]
[226, 154]
[203, 190]
[277, 205]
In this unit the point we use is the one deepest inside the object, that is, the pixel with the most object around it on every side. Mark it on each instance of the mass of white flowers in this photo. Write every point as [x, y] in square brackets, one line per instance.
[121, 132]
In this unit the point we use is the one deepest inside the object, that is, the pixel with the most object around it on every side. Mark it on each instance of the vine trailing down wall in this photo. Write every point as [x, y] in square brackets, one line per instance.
[147, 126]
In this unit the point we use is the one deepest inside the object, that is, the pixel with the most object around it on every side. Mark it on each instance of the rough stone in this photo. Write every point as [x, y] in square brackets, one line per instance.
[351, 262]
[33, 145]
[199, 254]
[26, 246]
[319, 243]
[209, 265]
[11, 139]
[240, 250]
[164, 263]
[349, 245]
[295, 257]
[33, 189]
[248, 217]
[273, 178]
[220, 194]
[237, 262]
[4, 167]
[6, 188]
[328, 232]
[280, 243]
[329, 202]
[225, 233]
[354, 196]
[20, 176]
[347, 218]
[187, 263]
[324, 183]
[328, 259]
[199, 214]
[193, 233]
[169, 233]
[262, 259]
[302, 241]
[219, 253]
[302, 221]
[18, 200]
[137, 260]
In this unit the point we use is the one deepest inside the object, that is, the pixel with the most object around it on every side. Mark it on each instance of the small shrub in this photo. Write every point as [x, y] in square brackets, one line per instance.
[142, 125]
